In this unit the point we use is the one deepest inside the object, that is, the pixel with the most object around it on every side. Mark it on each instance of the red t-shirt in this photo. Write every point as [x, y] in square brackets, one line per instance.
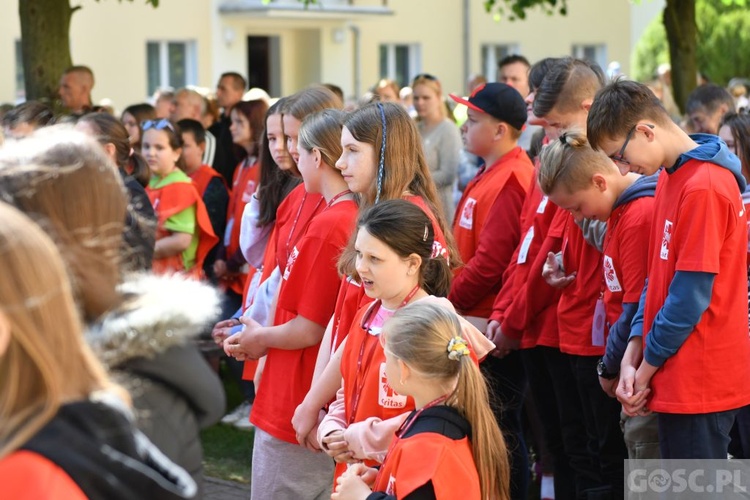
[487, 230]
[512, 305]
[308, 288]
[243, 187]
[25, 475]
[625, 259]
[578, 301]
[700, 226]
[292, 219]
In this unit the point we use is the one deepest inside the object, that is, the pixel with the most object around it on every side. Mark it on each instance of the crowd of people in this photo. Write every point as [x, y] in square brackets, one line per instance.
[415, 306]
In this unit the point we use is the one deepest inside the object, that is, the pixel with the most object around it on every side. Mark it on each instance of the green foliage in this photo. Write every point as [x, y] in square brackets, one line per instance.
[723, 42]
[516, 9]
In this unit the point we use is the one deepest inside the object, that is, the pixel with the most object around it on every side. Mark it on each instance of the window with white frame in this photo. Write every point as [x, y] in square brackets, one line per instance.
[492, 54]
[171, 64]
[400, 62]
[591, 52]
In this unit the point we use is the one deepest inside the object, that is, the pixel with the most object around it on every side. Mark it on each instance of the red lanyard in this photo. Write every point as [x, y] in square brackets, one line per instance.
[294, 224]
[336, 198]
[361, 373]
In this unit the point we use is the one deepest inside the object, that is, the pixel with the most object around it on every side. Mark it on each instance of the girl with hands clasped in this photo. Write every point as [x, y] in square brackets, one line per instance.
[394, 265]
[448, 447]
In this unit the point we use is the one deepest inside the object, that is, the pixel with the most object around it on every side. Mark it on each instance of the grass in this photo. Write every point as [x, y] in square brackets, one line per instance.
[227, 452]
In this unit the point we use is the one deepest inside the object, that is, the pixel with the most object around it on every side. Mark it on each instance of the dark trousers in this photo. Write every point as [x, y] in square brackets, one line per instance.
[541, 390]
[580, 456]
[704, 435]
[602, 418]
[739, 447]
[506, 381]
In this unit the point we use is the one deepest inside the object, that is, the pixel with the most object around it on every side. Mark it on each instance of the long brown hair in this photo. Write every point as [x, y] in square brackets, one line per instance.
[419, 335]
[64, 180]
[402, 163]
[47, 361]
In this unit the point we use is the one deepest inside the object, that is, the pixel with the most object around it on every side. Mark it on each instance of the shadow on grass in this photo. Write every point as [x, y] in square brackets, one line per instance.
[227, 452]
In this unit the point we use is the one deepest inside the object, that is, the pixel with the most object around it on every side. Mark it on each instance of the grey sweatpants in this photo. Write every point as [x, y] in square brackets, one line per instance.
[285, 471]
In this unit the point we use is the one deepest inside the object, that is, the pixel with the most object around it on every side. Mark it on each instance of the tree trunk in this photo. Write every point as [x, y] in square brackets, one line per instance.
[682, 36]
[45, 45]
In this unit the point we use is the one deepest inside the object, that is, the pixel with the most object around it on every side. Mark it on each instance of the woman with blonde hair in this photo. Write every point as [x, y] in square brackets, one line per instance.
[450, 446]
[387, 90]
[441, 138]
[140, 326]
[67, 430]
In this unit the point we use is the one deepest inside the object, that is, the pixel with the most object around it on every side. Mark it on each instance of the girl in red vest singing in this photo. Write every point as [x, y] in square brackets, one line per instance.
[395, 266]
[306, 298]
[230, 267]
[184, 235]
[450, 446]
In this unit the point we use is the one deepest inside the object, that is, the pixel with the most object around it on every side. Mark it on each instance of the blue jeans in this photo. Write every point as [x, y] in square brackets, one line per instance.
[704, 435]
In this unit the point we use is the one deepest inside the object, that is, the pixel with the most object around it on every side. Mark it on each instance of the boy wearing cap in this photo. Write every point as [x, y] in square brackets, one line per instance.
[692, 317]
[487, 230]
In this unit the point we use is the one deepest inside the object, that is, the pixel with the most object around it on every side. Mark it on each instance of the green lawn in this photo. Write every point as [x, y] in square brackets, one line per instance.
[227, 452]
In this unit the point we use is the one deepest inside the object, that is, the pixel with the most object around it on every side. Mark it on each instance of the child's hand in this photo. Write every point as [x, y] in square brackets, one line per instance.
[503, 344]
[337, 448]
[633, 401]
[367, 474]
[351, 487]
[609, 385]
[553, 273]
[245, 344]
[304, 421]
[222, 330]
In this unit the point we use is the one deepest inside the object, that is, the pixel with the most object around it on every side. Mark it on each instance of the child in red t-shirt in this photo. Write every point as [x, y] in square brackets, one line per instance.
[693, 369]
[450, 446]
[306, 298]
[588, 185]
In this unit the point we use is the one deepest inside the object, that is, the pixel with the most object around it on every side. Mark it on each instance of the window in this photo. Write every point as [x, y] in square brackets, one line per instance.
[20, 81]
[593, 53]
[400, 62]
[171, 64]
[491, 54]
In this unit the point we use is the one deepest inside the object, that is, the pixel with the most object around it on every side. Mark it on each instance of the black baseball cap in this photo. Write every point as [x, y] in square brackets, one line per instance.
[498, 100]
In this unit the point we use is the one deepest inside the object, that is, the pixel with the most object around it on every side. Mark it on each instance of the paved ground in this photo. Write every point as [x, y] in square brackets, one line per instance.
[219, 489]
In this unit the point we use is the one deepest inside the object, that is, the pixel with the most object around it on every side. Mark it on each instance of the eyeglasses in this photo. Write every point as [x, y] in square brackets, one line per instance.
[426, 76]
[618, 158]
[157, 124]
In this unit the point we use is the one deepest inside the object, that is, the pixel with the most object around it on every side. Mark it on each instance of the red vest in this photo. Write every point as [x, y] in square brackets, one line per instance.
[170, 200]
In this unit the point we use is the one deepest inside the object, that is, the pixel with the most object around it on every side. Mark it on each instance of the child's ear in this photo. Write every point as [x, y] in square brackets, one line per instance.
[318, 157]
[500, 130]
[646, 129]
[415, 261]
[586, 104]
[202, 146]
[599, 181]
[404, 372]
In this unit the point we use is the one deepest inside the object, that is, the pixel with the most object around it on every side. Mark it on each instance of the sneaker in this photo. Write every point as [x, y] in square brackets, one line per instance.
[244, 424]
[239, 413]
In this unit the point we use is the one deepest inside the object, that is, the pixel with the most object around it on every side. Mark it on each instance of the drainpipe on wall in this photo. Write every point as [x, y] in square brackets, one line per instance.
[357, 60]
[467, 50]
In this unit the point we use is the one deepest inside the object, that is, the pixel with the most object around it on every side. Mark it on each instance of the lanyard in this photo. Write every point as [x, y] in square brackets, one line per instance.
[294, 224]
[336, 198]
[360, 374]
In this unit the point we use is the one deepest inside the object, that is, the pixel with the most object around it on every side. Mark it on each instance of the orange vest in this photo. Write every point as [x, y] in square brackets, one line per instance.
[203, 176]
[170, 200]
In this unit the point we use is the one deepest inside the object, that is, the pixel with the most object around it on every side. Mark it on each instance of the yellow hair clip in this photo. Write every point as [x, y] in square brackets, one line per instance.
[457, 348]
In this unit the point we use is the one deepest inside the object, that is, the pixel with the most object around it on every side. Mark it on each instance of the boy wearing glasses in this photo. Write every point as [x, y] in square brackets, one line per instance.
[693, 369]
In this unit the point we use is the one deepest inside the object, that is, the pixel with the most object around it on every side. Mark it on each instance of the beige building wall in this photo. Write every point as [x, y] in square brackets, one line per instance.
[111, 36]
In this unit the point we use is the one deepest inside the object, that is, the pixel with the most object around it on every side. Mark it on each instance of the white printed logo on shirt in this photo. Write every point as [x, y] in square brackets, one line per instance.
[524, 251]
[390, 489]
[247, 195]
[467, 214]
[387, 397]
[666, 239]
[610, 276]
[542, 205]
[290, 262]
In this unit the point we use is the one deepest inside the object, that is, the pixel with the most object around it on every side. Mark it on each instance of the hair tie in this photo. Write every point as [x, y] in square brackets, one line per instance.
[457, 348]
[381, 163]
[564, 138]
